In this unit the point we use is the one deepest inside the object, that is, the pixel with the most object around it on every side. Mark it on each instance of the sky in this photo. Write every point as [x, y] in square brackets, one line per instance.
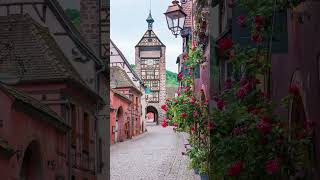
[128, 24]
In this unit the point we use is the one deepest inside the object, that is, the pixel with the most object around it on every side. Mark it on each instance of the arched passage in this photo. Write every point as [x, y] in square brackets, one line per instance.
[119, 119]
[298, 123]
[31, 168]
[155, 115]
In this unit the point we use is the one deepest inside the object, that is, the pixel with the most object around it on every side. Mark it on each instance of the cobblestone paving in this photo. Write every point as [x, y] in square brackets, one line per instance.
[155, 155]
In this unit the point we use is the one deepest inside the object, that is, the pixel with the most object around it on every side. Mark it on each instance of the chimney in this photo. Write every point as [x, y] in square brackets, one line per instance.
[89, 23]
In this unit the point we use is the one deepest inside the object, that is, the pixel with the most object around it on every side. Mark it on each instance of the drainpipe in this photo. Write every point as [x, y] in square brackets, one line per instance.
[96, 115]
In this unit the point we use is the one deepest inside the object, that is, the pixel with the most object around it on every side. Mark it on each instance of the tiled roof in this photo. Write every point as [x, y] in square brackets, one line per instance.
[35, 55]
[126, 61]
[26, 99]
[187, 8]
[120, 78]
[150, 39]
[121, 94]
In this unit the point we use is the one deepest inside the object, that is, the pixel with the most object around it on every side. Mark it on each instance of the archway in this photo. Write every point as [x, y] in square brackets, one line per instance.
[152, 113]
[298, 124]
[31, 168]
[119, 119]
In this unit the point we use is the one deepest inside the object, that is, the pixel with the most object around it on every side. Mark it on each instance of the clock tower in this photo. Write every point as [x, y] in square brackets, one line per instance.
[151, 67]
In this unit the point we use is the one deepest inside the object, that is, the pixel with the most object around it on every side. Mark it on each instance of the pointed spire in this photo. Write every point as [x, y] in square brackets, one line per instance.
[150, 20]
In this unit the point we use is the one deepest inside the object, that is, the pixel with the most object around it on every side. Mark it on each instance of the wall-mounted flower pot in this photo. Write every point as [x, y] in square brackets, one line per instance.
[204, 176]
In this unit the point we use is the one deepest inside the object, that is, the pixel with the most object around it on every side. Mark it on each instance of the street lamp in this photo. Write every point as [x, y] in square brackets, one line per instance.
[175, 18]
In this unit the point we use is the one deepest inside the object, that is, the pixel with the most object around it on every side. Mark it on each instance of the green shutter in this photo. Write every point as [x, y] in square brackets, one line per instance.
[280, 35]
[241, 35]
[214, 71]
[197, 71]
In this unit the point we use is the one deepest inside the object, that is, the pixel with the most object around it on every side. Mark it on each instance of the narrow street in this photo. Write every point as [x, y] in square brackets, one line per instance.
[154, 155]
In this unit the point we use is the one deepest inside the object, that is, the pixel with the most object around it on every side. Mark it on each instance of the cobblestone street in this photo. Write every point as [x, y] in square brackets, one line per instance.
[154, 155]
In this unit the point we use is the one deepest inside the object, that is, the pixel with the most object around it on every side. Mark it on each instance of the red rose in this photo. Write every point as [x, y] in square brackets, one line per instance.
[293, 89]
[237, 131]
[243, 82]
[256, 37]
[195, 114]
[272, 166]
[164, 107]
[258, 20]
[241, 93]
[175, 125]
[192, 101]
[192, 128]
[220, 104]
[210, 125]
[180, 76]
[164, 123]
[225, 44]
[264, 126]
[248, 87]
[241, 20]
[185, 56]
[186, 89]
[235, 169]
[184, 115]
[206, 102]
[190, 68]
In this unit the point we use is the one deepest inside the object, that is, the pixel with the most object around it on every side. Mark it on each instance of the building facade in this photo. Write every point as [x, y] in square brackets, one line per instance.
[119, 116]
[151, 68]
[123, 86]
[48, 59]
[294, 62]
[117, 59]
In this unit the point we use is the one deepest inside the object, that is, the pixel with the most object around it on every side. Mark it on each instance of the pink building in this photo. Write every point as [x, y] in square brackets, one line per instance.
[119, 116]
[123, 86]
[27, 126]
[40, 64]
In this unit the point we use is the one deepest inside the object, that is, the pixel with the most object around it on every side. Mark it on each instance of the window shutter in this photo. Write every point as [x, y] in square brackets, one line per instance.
[280, 35]
[241, 35]
[197, 71]
[214, 70]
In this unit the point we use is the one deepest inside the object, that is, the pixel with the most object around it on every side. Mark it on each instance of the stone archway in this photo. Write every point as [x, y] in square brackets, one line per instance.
[154, 111]
[31, 168]
[119, 120]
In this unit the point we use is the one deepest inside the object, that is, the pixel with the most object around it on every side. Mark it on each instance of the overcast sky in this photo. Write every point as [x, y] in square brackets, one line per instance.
[128, 24]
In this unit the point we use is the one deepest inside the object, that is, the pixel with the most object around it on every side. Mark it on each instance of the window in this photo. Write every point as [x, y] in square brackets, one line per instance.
[150, 73]
[86, 132]
[153, 97]
[73, 125]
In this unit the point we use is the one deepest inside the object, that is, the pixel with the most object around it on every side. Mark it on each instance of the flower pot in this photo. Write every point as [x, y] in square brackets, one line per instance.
[204, 176]
[196, 170]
